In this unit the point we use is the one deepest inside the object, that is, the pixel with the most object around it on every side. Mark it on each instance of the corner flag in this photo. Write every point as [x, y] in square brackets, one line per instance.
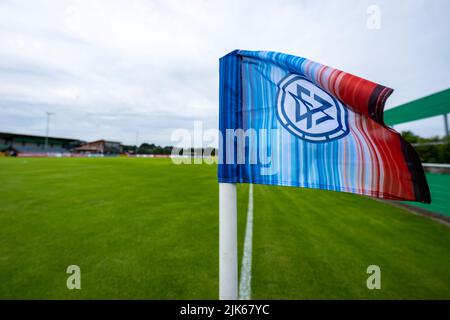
[287, 120]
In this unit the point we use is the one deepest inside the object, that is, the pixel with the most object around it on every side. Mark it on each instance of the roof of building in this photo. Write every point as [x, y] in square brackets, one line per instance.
[103, 140]
[32, 138]
[93, 146]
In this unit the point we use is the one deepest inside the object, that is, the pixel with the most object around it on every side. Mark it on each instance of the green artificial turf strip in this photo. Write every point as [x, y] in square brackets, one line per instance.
[148, 229]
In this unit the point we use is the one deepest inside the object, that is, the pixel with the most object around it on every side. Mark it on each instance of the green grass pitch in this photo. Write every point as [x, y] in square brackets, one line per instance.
[148, 229]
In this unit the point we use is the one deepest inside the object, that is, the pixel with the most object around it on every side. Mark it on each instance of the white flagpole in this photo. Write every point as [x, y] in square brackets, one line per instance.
[228, 266]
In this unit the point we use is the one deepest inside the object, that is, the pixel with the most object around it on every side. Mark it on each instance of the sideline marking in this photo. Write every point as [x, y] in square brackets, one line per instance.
[245, 290]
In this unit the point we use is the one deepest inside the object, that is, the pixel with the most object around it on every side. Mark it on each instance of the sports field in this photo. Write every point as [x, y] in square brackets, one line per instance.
[148, 229]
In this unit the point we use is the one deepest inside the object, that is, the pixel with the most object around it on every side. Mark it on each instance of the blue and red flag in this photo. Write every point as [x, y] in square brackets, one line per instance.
[287, 120]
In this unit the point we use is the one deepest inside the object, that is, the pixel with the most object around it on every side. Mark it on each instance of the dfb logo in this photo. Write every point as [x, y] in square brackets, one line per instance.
[309, 112]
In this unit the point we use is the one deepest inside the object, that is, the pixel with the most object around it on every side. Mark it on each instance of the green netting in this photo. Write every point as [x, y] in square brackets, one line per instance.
[429, 106]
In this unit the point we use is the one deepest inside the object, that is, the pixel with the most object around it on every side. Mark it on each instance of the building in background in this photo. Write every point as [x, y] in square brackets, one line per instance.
[100, 147]
[31, 145]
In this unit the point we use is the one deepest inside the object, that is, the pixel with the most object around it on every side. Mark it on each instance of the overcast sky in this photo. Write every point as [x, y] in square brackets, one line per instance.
[108, 69]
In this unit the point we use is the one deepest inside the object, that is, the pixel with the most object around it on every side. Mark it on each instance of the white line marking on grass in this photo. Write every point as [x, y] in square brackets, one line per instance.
[245, 289]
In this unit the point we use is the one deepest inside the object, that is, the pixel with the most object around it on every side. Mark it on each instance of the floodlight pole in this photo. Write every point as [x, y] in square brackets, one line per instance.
[446, 125]
[228, 264]
[47, 129]
[137, 138]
